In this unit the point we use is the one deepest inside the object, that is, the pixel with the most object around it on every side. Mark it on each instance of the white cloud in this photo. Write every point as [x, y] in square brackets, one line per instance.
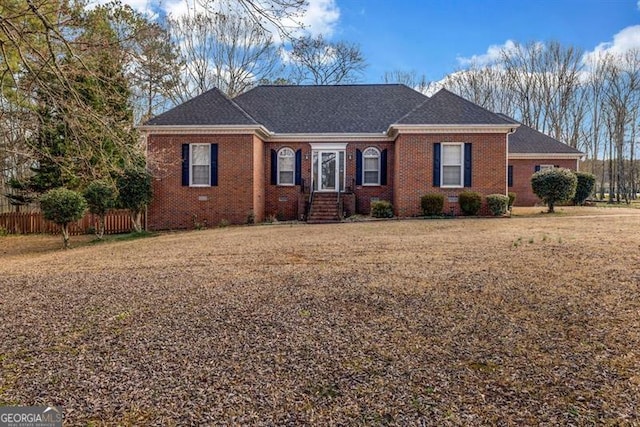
[493, 54]
[321, 17]
[624, 41]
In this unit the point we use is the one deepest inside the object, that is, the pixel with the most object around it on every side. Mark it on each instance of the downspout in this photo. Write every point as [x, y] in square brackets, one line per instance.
[511, 132]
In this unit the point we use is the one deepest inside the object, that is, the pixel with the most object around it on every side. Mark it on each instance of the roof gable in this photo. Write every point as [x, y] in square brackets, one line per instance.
[447, 108]
[208, 109]
[527, 140]
[329, 109]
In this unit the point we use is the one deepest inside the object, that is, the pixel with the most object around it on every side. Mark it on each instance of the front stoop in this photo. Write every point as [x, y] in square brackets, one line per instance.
[324, 209]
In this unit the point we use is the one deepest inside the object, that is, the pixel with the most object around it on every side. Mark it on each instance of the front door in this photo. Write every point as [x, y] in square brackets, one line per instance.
[328, 170]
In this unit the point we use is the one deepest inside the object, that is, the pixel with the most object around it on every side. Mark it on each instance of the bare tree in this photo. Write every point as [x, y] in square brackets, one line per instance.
[315, 60]
[622, 96]
[221, 50]
[408, 78]
[485, 86]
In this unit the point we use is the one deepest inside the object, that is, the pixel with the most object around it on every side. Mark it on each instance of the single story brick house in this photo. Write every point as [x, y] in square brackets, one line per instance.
[319, 152]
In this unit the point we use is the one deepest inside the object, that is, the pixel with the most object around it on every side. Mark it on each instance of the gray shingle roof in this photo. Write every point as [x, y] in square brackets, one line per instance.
[329, 109]
[447, 108]
[210, 108]
[528, 140]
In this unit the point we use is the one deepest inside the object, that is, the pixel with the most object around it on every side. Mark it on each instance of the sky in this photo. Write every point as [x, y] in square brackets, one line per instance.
[438, 37]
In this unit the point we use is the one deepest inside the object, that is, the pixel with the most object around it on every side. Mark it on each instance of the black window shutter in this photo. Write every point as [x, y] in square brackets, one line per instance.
[298, 172]
[185, 165]
[214, 165]
[537, 168]
[436, 164]
[383, 167]
[467, 164]
[358, 167]
[274, 167]
[510, 175]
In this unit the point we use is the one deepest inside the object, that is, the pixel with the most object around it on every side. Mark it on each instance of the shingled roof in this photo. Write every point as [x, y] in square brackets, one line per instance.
[329, 109]
[208, 109]
[527, 140]
[447, 108]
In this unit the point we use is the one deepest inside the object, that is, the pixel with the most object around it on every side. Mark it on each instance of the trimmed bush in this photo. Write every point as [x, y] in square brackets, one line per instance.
[584, 187]
[100, 198]
[470, 202]
[497, 203]
[432, 204]
[381, 209]
[512, 199]
[63, 207]
[554, 186]
[135, 193]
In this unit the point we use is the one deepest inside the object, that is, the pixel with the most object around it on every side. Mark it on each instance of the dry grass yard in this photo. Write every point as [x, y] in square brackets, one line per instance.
[523, 321]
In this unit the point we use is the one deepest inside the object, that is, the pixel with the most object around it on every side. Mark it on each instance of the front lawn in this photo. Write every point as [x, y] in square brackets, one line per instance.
[527, 320]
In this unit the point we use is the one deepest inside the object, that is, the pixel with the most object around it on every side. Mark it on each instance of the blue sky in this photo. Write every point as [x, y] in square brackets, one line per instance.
[433, 36]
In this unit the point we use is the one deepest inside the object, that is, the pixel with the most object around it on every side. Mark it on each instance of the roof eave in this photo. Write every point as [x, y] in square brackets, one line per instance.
[529, 156]
[205, 129]
[456, 128]
[328, 137]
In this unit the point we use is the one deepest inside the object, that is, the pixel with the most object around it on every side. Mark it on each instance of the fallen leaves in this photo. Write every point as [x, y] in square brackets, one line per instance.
[401, 323]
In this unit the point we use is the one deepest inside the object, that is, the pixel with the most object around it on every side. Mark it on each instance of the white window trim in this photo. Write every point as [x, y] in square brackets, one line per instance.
[191, 165]
[293, 180]
[442, 165]
[546, 167]
[371, 184]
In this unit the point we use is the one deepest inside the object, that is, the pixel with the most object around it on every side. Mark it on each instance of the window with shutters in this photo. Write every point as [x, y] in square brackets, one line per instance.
[200, 161]
[371, 166]
[546, 167]
[452, 169]
[286, 166]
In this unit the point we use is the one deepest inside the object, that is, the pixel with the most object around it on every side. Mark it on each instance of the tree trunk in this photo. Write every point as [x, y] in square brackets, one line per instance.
[136, 220]
[65, 235]
[100, 230]
[551, 207]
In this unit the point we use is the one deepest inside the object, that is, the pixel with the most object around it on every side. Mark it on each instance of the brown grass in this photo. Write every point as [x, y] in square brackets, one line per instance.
[522, 321]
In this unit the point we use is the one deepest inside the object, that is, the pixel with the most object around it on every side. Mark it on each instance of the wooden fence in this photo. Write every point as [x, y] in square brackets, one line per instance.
[116, 221]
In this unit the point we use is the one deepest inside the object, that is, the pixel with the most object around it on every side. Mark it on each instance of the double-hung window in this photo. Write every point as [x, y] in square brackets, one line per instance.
[371, 166]
[200, 157]
[452, 172]
[286, 166]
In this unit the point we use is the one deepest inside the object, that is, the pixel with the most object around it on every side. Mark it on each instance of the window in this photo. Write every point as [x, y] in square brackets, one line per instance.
[286, 166]
[452, 165]
[545, 167]
[371, 166]
[200, 165]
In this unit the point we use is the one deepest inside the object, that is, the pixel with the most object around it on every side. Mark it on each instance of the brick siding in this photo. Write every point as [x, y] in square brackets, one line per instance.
[414, 162]
[178, 207]
[522, 171]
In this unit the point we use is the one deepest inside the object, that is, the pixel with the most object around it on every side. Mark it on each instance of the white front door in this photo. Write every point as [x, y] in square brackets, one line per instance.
[328, 170]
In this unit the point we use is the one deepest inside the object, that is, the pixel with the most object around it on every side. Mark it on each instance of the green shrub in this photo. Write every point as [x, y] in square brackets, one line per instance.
[584, 187]
[432, 204]
[497, 203]
[63, 207]
[512, 199]
[381, 209]
[470, 202]
[100, 198]
[135, 193]
[554, 186]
